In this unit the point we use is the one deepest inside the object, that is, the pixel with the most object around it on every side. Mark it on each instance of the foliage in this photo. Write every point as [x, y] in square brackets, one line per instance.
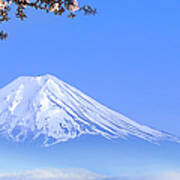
[58, 7]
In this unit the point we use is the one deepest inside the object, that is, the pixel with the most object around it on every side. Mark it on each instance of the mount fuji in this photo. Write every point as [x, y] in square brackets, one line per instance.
[48, 108]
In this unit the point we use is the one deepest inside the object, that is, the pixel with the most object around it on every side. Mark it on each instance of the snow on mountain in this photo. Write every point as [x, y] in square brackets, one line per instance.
[47, 107]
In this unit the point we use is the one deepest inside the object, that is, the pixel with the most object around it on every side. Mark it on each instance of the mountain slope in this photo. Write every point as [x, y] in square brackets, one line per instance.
[47, 107]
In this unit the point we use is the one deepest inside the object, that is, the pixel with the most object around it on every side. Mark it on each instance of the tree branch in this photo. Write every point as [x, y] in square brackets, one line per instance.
[58, 7]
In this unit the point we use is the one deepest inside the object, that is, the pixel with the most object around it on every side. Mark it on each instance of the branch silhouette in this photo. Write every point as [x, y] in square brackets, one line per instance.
[58, 7]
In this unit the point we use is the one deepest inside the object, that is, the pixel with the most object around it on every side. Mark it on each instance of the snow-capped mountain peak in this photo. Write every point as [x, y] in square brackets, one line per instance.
[44, 106]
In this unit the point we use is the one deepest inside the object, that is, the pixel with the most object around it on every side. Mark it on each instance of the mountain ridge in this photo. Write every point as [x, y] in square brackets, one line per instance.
[46, 106]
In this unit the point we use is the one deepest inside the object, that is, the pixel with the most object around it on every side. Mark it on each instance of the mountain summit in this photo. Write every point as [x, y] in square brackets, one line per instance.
[47, 107]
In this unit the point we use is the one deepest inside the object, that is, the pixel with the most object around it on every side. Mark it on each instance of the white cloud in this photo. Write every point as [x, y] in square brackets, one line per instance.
[167, 176]
[53, 174]
[79, 174]
[162, 176]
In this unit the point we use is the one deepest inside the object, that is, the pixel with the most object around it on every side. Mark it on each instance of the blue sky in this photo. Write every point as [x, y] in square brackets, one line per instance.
[126, 57]
[110, 158]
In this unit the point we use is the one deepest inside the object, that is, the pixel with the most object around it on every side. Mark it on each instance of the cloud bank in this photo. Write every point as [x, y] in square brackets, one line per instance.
[79, 174]
[163, 176]
[52, 174]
